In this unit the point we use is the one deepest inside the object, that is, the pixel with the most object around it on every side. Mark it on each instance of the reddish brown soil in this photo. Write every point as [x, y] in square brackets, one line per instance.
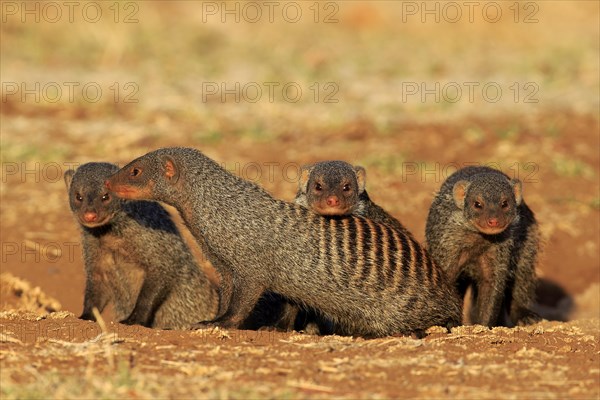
[548, 360]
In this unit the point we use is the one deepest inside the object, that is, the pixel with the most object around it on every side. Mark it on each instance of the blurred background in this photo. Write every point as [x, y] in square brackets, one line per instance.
[409, 90]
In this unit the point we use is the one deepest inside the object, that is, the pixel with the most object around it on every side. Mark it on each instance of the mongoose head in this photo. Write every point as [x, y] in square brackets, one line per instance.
[489, 201]
[90, 201]
[153, 176]
[331, 187]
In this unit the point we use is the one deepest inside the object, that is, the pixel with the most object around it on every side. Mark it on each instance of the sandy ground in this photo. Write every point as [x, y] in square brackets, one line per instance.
[73, 358]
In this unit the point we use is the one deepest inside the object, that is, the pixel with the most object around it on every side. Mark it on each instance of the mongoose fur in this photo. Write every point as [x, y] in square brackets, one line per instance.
[135, 257]
[335, 188]
[366, 277]
[480, 230]
[338, 188]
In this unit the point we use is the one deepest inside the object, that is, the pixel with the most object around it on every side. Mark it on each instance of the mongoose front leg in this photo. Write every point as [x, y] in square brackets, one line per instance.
[242, 302]
[523, 293]
[152, 294]
[287, 319]
[225, 287]
[525, 281]
[225, 272]
[96, 295]
[453, 271]
[452, 262]
[490, 293]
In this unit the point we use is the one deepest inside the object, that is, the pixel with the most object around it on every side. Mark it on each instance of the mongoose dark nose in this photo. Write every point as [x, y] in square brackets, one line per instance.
[107, 184]
[493, 222]
[333, 201]
[90, 216]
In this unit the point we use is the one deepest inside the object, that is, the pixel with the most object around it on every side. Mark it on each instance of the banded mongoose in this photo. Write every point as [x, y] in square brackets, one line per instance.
[335, 188]
[366, 277]
[339, 188]
[135, 257]
[480, 230]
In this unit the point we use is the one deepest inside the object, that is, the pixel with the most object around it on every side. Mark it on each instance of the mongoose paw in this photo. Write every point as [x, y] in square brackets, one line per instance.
[528, 317]
[87, 316]
[321, 327]
[218, 323]
[271, 328]
[451, 325]
[418, 334]
[204, 325]
[132, 320]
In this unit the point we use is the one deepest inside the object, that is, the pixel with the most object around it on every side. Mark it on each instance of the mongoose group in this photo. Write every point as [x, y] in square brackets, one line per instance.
[331, 262]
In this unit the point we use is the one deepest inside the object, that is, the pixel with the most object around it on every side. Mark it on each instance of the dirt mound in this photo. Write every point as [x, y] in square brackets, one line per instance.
[18, 294]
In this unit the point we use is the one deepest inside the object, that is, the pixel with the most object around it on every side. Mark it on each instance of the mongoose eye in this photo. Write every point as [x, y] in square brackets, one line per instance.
[78, 197]
[106, 197]
[318, 187]
[477, 205]
[346, 187]
[504, 204]
[135, 172]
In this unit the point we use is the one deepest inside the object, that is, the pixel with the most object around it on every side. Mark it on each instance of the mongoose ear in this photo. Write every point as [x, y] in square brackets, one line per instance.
[305, 171]
[170, 169]
[361, 178]
[518, 190]
[68, 177]
[460, 192]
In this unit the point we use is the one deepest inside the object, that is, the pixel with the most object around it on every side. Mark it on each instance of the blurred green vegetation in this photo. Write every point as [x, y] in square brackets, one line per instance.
[571, 167]
[371, 51]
